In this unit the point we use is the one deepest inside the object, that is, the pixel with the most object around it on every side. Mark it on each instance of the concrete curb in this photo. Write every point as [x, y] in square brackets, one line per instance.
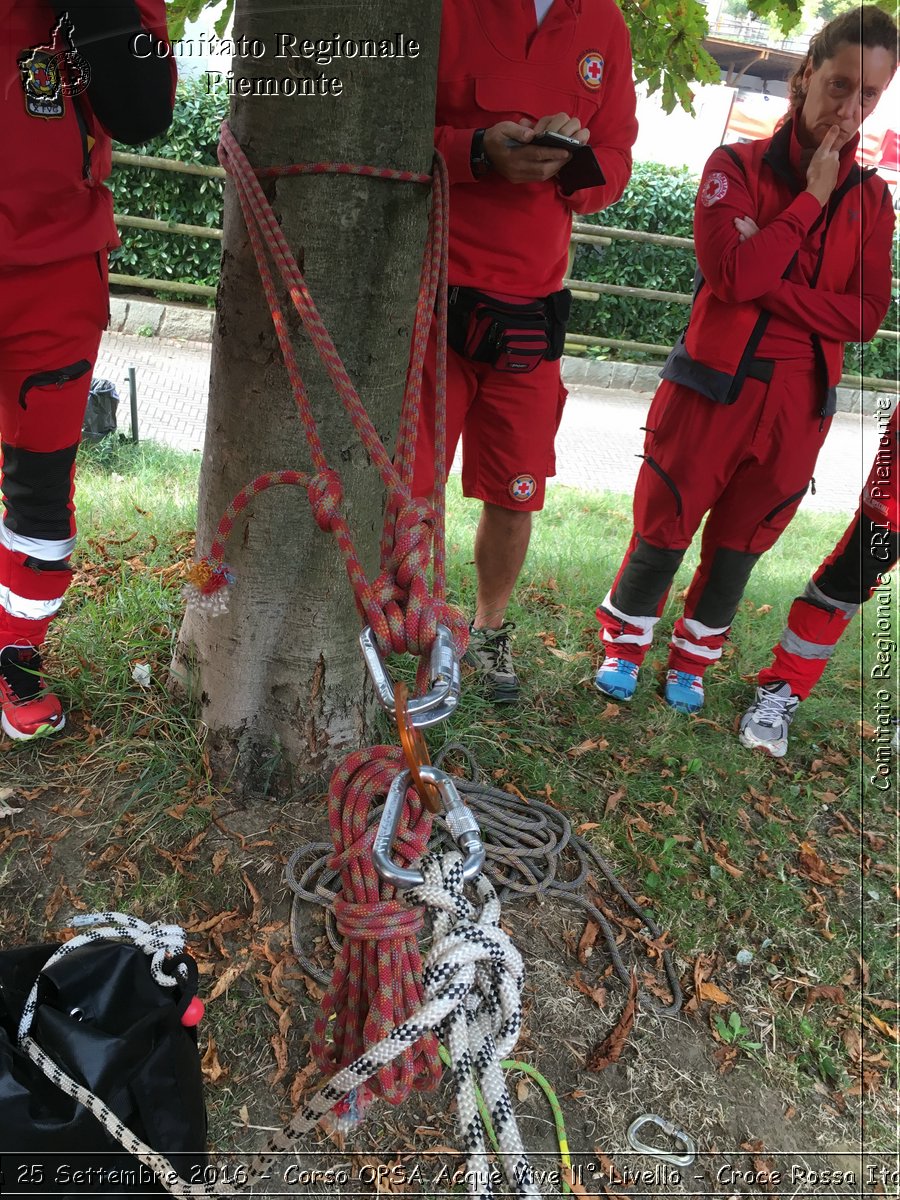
[151, 318]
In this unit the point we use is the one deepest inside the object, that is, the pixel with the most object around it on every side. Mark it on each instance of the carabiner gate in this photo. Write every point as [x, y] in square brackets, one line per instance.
[458, 817]
[678, 1135]
[444, 679]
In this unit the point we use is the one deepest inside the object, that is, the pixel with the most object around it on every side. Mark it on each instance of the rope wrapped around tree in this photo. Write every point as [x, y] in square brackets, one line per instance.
[376, 980]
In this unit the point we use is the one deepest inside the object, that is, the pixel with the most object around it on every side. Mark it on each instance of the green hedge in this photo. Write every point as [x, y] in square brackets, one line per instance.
[658, 199]
[170, 196]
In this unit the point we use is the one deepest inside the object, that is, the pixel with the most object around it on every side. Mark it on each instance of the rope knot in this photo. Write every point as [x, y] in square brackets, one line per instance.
[326, 495]
[383, 921]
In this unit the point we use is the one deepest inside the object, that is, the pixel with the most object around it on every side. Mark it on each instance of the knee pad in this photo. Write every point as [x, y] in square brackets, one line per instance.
[36, 490]
[647, 577]
[724, 587]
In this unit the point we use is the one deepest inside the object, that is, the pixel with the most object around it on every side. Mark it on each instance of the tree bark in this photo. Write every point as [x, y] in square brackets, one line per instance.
[280, 678]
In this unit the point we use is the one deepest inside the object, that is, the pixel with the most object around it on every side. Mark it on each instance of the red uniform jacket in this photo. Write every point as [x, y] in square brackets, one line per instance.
[53, 204]
[496, 64]
[810, 280]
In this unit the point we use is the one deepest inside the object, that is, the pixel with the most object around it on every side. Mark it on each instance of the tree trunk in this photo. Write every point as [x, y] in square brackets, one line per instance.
[280, 679]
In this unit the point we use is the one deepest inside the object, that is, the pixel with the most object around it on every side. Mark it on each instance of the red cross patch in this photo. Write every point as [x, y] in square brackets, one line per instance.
[522, 488]
[590, 69]
[714, 188]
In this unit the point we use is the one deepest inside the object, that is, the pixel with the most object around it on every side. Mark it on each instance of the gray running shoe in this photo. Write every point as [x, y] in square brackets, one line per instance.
[765, 724]
[490, 653]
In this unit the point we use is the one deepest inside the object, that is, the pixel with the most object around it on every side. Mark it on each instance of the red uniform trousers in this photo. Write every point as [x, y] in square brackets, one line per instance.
[508, 425]
[748, 465]
[868, 550]
[51, 319]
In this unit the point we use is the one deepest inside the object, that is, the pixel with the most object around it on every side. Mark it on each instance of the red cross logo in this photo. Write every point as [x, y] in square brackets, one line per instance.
[590, 69]
[522, 488]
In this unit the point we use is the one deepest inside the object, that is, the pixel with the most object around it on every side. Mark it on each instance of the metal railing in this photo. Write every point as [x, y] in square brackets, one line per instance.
[583, 232]
[756, 33]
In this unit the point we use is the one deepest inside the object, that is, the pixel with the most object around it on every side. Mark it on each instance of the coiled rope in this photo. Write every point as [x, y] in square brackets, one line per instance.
[531, 851]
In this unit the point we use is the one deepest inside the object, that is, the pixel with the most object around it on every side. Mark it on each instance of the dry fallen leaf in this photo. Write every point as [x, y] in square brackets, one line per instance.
[280, 1049]
[212, 1069]
[882, 1026]
[227, 978]
[725, 1057]
[301, 1083]
[568, 657]
[813, 867]
[709, 991]
[610, 1049]
[597, 994]
[587, 746]
[586, 944]
[587, 827]
[824, 992]
[613, 801]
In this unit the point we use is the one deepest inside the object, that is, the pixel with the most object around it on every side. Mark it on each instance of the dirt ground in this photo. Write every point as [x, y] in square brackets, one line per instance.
[68, 850]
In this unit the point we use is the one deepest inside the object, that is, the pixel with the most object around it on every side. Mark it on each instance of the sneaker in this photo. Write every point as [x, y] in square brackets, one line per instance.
[765, 724]
[684, 691]
[617, 677]
[27, 710]
[490, 653]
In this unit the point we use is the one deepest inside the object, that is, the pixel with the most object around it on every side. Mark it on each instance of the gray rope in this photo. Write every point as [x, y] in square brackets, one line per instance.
[472, 981]
[531, 850]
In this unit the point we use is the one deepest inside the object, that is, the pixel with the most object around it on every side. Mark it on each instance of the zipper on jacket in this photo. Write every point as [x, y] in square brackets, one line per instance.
[58, 378]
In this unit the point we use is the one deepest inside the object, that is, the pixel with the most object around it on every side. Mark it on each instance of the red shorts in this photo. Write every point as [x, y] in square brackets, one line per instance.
[508, 425]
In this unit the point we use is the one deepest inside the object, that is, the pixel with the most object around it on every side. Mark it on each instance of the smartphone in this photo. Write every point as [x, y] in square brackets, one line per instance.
[556, 141]
[581, 171]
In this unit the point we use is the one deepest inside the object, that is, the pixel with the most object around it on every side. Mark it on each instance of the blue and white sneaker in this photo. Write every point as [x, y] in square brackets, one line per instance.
[617, 677]
[684, 692]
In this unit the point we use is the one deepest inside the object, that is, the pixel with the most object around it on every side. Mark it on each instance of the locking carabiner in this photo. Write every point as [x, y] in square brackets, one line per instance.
[444, 679]
[458, 818]
[678, 1135]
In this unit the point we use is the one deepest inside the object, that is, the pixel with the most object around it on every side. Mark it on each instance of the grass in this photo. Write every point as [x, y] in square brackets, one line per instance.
[711, 837]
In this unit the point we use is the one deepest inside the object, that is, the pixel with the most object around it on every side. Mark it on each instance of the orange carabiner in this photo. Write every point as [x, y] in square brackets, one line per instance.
[414, 749]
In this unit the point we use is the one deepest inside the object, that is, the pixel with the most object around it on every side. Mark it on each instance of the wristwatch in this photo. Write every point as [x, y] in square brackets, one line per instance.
[478, 159]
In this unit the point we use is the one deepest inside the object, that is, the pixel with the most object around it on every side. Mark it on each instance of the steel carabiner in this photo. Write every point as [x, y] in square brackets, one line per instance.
[677, 1160]
[444, 679]
[457, 816]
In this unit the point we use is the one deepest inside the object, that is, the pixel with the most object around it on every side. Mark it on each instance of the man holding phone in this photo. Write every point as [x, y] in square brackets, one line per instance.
[522, 86]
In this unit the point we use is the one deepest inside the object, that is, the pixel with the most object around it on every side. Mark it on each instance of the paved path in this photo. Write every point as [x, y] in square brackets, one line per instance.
[596, 446]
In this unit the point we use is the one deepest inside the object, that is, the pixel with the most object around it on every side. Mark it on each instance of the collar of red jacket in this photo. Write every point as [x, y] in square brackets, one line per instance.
[847, 155]
[784, 157]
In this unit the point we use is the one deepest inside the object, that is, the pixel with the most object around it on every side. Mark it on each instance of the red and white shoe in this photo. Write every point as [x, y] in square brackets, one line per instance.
[27, 709]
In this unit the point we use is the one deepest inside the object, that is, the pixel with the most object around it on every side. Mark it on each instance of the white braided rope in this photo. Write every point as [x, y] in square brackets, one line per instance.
[472, 981]
[157, 941]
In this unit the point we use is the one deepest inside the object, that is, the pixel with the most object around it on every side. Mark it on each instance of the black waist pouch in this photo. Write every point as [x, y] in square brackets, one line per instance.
[512, 337]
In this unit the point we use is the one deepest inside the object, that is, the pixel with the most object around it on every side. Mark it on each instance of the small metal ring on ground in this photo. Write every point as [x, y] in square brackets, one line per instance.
[414, 749]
